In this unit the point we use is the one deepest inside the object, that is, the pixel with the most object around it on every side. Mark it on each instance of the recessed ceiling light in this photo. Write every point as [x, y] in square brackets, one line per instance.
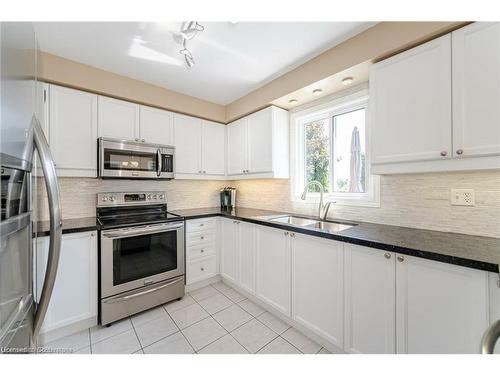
[317, 92]
[347, 81]
[293, 101]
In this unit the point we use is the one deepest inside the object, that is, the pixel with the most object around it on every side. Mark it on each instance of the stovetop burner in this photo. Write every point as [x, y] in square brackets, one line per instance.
[117, 210]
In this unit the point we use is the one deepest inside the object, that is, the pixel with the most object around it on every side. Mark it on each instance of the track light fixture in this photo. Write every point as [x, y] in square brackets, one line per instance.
[188, 32]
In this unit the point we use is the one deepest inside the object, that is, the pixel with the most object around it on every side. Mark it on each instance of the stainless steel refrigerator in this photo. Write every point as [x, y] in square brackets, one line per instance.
[26, 162]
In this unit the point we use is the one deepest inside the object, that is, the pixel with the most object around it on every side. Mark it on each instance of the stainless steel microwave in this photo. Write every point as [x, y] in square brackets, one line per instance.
[135, 160]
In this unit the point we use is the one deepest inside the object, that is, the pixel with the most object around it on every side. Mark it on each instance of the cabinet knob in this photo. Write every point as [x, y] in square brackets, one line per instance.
[143, 140]
[444, 153]
[286, 233]
[460, 151]
[387, 255]
[202, 250]
[201, 237]
[137, 139]
[292, 234]
[400, 258]
[202, 269]
[202, 224]
[204, 171]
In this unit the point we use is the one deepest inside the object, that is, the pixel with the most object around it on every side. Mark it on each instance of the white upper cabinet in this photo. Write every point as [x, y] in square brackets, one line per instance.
[73, 131]
[156, 126]
[199, 148]
[435, 107]
[440, 308]
[237, 147]
[410, 105]
[273, 283]
[370, 305]
[476, 90]
[260, 141]
[187, 141]
[118, 119]
[258, 145]
[317, 286]
[213, 148]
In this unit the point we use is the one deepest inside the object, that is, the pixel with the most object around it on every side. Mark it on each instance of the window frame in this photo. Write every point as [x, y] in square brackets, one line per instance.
[329, 107]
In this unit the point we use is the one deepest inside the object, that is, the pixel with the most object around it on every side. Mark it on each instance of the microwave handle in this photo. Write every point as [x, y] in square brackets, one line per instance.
[158, 163]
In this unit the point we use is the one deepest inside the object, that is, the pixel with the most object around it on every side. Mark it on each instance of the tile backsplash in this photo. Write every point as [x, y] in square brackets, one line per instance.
[416, 200]
[78, 195]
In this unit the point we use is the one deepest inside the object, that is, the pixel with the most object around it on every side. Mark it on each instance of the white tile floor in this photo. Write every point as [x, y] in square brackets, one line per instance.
[212, 320]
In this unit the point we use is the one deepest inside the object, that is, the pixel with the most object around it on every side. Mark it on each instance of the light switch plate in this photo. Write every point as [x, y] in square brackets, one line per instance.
[462, 197]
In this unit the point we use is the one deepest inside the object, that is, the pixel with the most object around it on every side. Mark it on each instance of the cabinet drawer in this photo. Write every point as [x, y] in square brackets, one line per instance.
[200, 225]
[200, 269]
[201, 238]
[193, 252]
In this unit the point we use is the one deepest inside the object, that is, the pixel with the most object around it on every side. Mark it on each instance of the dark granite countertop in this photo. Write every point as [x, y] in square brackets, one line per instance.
[83, 224]
[465, 250]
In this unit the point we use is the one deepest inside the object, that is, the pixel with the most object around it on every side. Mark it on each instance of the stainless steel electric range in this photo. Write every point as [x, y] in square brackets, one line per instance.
[141, 253]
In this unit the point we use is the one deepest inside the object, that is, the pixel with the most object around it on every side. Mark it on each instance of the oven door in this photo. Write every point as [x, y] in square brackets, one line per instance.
[128, 160]
[134, 257]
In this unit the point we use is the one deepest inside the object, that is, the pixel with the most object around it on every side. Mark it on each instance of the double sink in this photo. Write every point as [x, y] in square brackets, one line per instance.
[301, 222]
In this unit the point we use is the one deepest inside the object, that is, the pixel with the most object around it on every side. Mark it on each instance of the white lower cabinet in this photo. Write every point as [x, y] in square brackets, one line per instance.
[246, 247]
[74, 298]
[229, 250]
[201, 249]
[370, 303]
[360, 299]
[440, 308]
[273, 268]
[494, 295]
[317, 286]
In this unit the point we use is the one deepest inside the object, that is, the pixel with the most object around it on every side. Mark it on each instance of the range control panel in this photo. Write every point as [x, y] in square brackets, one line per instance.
[131, 198]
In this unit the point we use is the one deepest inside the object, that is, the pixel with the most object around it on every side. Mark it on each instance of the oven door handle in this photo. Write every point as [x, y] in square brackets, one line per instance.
[158, 163]
[138, 294]
[122, 233]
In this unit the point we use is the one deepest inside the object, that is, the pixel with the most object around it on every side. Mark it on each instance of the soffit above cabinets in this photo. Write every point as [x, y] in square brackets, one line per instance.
[329, 85]
[234, 58]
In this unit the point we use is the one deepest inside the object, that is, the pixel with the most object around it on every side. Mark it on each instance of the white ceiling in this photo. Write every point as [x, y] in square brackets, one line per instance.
[232, 59]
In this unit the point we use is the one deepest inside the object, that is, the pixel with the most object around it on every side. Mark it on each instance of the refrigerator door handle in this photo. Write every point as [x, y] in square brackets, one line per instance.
[52, 186]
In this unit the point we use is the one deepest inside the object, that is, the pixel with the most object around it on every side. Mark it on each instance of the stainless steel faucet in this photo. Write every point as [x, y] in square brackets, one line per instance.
[322, 209]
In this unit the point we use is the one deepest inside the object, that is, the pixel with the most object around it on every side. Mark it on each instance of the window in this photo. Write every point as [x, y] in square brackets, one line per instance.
[330, 147]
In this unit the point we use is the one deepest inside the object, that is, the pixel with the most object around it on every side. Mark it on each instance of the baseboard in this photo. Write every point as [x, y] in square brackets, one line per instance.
[70, 329]
[202, 283]
[304, 330]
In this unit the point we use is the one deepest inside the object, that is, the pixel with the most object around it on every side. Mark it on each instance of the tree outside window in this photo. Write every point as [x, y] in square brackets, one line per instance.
[317, 138]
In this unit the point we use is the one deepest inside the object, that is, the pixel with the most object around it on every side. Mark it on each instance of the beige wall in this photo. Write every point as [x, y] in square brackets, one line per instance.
[55, 69]
[379, 41]
[418, 201]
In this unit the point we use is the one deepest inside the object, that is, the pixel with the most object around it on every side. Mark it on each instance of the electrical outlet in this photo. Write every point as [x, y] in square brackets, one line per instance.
[462, 197]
